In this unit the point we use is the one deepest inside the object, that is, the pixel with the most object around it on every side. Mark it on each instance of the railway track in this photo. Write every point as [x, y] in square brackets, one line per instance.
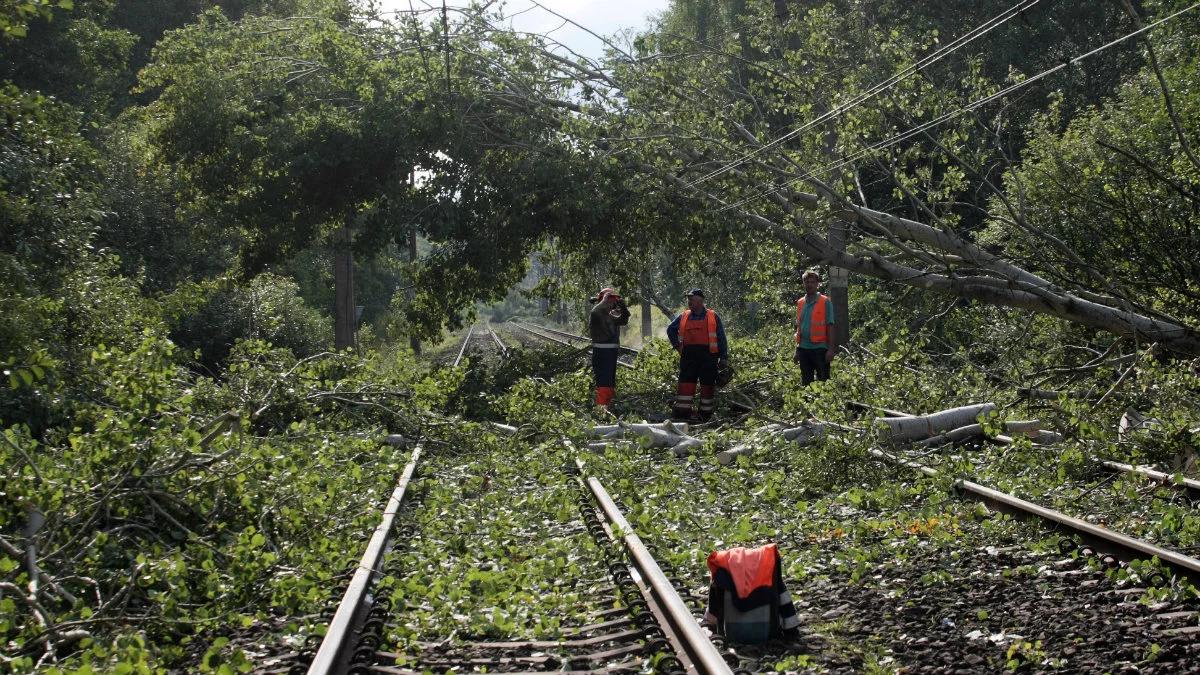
[567, 339]
[640, 617]
[635, 619]
[1111, 546]
[483, 340]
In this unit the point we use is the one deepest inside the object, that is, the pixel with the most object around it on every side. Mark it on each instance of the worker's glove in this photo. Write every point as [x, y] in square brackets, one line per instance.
[724, 372]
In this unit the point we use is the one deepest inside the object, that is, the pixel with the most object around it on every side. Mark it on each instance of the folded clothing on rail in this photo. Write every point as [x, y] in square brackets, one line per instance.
[747, 601]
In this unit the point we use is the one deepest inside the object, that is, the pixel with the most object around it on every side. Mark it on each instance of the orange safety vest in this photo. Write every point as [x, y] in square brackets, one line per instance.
[691, 331]
[750, 568]
[818, 330]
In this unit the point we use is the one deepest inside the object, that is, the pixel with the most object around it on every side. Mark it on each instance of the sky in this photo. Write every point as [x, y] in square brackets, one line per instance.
[604, 17]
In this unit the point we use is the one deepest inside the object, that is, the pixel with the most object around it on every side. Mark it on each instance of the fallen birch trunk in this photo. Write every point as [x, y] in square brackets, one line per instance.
[685, 446]
[805, 434]
[665, 435]
[901, 429]
[965, 433]
[1031, 429]
[621, 429]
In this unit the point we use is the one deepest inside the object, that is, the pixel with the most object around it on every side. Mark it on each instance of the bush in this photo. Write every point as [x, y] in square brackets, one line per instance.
[269, 309]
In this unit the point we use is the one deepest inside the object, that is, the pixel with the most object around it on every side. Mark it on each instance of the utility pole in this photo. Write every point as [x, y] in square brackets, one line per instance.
[411, 293]
[343, 288]
[838, 277]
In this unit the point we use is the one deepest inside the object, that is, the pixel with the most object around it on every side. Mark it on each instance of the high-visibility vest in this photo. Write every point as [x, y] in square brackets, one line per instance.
[818, 329]
[693, 331]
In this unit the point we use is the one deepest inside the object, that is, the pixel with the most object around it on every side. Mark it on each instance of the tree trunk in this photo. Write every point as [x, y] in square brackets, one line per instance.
[647, 322]
[977, 274]
[899, 429]
[411, 293]
[343, 286]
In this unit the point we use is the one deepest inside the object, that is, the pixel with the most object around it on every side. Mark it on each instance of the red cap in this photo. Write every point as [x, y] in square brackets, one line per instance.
[606, 291]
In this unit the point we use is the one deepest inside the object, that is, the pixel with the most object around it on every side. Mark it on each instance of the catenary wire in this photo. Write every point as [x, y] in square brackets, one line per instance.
[878, 88]
[974, 105]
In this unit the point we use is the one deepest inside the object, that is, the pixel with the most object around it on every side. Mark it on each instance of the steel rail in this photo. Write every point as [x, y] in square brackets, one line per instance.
[530, 329]
[695, 650]
[463, 349]
[333, 656]
[1191, 486]
[1120, 546]
[499, 343]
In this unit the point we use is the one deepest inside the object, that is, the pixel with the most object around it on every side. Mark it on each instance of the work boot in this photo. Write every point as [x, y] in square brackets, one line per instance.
[685, 394]
[708, 401]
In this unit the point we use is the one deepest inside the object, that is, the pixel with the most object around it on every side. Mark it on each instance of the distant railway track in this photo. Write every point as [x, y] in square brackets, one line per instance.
[579, 338]
[645, 615]
[566, 339]
[490, 341]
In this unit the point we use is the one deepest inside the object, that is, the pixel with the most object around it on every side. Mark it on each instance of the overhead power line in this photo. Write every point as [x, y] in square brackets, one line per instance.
[979, 31]
[938, 121]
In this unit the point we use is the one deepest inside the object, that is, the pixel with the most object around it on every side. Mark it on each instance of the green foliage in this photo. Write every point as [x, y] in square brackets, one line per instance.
[268, 308]
[1117, 188]
[203, 533]
[16, 14]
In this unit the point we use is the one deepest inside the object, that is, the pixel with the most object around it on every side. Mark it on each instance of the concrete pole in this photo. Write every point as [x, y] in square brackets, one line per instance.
[839, 279]
[343, 289]
[411, 293]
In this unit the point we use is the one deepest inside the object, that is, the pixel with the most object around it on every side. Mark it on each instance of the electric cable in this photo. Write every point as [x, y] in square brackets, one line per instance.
[970, 107]
[876, 89]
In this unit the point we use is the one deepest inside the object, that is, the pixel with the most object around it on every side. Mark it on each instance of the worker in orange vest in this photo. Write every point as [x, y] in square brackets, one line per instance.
[699, 337]
[815, 337]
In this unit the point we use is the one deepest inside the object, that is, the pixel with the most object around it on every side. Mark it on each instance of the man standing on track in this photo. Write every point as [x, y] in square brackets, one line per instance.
[699, 337]
[815, 337]
[607, 316]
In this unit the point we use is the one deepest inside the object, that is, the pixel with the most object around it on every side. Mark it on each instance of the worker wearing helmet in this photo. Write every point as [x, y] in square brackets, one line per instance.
[604, 326]
[699, 336]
